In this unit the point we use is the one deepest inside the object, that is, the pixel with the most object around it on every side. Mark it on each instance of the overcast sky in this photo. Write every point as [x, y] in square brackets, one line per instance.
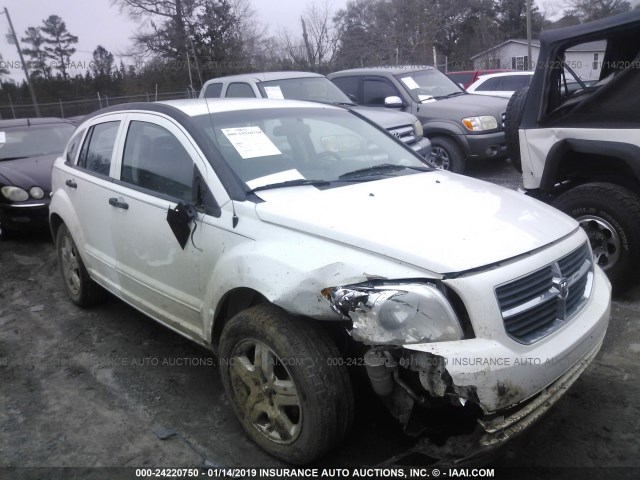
[97, 22]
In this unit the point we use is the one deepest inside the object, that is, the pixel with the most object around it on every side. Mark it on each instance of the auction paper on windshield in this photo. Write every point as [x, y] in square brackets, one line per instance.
[251, 142]
[410, 83]
[274, 92]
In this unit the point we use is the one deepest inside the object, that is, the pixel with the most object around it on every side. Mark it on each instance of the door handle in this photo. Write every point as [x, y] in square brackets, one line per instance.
[114, 202]
[71, 184]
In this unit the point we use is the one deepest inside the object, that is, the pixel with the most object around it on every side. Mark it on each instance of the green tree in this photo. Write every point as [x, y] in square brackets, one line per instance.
[588, 10]
[102, 63]
[511, 16]
[59, 43]
[36, 52]
[3, 69]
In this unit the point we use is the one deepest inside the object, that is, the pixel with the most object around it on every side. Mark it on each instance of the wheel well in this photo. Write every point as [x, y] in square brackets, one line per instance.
[579, 167]
[54, 223]
[232, 303]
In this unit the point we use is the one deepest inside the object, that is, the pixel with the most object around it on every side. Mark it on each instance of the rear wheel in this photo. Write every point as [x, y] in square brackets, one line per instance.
[610, 214]
[79, 287]
[446, 155]
[280, 375]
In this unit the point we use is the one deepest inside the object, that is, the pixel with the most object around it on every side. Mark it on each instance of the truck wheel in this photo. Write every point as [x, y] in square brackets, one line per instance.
[287, 388]
[610, 214]
[446, 155]
[513, 115]
[82, 291]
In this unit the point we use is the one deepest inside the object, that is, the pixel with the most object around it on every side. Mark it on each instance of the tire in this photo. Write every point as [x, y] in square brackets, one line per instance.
[610, 214]
[82, 291]
[513, 116]
[318, 408]
[4, 233]
[447, 155]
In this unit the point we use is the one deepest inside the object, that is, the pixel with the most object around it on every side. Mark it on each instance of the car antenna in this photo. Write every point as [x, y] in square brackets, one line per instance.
[235, 219]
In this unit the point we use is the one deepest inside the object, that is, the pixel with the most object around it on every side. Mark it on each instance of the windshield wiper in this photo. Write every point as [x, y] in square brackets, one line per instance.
[13, 158]
[450, 95]
[298, 182]
[380, 169]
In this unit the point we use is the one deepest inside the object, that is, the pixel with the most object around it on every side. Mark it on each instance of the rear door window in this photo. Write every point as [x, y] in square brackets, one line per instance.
[98, 146]
[240, 90]
[213, 90]
[349, 85]
[375, 91]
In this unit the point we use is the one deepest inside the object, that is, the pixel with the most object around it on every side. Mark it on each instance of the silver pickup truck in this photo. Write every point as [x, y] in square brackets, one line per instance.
[316, 88]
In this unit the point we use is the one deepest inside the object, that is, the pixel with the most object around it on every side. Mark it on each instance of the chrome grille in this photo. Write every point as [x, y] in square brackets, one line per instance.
[535, 305]
[404, 134]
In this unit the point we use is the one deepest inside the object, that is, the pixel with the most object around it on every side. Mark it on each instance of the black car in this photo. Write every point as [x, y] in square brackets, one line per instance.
[28, 148]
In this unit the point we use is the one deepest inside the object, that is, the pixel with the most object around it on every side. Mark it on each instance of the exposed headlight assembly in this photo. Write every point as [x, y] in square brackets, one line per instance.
[14, 194]
[480, 124]
[396, 314]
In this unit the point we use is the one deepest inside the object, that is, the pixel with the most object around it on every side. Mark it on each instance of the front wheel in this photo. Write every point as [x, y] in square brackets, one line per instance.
[280, 375]
[446, 155]
[610, 214]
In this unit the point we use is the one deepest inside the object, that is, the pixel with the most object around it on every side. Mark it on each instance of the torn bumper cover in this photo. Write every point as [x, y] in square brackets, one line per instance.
[500, 385]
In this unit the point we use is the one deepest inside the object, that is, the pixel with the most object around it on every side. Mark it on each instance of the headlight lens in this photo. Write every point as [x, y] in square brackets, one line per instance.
[417, 127]
[14, 194]
[36, 192]
[479, 124]
[396, 314]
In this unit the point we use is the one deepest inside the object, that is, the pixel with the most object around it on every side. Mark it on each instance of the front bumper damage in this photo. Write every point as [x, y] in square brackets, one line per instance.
[431, 388]
[491, 432]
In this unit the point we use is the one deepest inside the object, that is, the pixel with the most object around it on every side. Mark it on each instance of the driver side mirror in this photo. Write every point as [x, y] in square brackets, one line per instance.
[393, 102]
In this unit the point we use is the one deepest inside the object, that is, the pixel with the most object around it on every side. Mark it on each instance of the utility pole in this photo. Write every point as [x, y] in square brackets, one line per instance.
[529, 34]
[24, 65]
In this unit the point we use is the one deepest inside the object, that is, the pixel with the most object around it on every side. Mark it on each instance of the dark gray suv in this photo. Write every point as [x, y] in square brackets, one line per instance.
[460, 126]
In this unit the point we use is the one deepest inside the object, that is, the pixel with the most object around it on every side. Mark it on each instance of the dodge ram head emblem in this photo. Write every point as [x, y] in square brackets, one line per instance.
[562, 285]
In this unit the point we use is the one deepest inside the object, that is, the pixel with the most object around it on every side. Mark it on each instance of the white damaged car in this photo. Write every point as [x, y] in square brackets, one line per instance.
[297, 239]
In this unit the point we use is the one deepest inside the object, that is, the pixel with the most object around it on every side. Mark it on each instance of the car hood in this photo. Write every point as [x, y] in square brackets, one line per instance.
[28, 172]
[438, 221]
[466, 105]
[386, 118]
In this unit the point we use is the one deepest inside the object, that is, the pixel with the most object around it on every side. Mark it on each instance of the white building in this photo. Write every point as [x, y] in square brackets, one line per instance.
[584, 59]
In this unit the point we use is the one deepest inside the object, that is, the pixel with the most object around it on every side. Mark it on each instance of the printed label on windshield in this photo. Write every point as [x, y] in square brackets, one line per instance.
[274, 92]
[410, 83]
[251, 142]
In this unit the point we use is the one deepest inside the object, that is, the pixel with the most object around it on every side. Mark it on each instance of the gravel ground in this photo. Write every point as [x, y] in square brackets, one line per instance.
[104, 386]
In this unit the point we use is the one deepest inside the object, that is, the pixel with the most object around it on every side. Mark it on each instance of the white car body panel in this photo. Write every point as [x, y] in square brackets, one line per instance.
[538, 142]
[438, 221]
[470, 235]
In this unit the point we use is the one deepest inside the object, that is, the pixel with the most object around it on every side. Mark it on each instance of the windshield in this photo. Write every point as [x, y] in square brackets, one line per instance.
[33, 141]
[429, 85]
[270, 146]
[315, 89]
